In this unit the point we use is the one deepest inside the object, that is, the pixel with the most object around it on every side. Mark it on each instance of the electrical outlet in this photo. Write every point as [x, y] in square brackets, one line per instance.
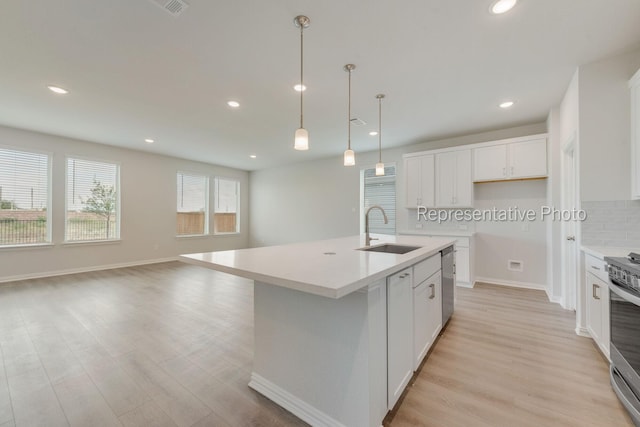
[418, 225]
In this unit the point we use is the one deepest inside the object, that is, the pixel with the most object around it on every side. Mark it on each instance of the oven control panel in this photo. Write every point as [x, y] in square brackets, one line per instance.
[624, 272]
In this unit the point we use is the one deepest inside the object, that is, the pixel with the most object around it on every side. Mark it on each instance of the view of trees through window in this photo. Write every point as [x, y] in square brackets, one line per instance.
[92, 201]
[24, 196]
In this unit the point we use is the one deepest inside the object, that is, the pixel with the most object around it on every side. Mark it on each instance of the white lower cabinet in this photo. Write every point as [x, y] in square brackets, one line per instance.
[427, 316]
[597, 299]
[399, 334]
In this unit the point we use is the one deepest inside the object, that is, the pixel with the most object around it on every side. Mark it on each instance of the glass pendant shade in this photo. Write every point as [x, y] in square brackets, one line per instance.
[379, 169]
[301, 139]
[349, 157]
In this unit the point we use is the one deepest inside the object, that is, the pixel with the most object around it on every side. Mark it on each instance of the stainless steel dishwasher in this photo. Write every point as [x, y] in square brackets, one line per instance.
[448, 282]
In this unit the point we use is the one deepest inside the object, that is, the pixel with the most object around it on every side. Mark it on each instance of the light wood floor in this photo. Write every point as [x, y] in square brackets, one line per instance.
[171, 344]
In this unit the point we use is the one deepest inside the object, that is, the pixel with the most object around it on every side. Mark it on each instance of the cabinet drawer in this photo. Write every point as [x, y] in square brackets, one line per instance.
[424, 269]
[596, 267]
[403, 276]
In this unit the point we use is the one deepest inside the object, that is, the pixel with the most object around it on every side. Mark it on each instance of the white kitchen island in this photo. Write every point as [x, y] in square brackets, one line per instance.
[320, 314]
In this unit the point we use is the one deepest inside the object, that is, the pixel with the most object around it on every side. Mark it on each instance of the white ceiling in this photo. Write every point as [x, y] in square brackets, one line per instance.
[135, 71]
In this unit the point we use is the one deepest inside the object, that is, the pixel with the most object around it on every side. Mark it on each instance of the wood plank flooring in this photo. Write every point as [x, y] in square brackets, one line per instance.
[171, 345]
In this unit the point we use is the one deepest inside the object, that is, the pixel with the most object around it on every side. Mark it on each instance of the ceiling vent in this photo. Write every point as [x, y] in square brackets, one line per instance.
[174, 7]
[358, 122]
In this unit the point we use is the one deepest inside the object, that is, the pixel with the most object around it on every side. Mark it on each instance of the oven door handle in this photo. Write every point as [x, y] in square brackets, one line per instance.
[624, 393]
[626, 295]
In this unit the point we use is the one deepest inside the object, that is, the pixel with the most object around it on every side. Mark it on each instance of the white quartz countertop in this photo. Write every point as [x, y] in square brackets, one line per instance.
[422, 232]
[603, 251]
[331, 268]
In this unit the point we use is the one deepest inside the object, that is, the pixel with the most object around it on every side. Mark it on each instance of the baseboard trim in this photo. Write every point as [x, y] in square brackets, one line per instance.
[465, 285]
[583, 332]
[291, 403]
[555, 300]
[512, 283]
[84, 269]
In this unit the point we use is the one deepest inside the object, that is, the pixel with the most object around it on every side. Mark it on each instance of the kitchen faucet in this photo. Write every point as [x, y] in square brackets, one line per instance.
[367, 239]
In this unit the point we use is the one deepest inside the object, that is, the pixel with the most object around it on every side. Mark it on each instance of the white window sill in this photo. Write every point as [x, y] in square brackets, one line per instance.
[27, 246]
[92, 242]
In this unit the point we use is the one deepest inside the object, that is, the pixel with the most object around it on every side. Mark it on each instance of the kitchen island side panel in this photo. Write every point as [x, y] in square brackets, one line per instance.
[318, 351]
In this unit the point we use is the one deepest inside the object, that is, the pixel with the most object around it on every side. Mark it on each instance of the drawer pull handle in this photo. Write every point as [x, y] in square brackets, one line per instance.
[433, 291]
[595, 268]
[594, 293]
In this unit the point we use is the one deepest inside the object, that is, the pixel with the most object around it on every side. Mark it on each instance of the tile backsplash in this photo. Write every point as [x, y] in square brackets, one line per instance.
[612, 223]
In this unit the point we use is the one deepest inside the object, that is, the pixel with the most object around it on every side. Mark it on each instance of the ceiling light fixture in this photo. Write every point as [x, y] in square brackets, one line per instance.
[253, 156]
[373, 133]
[149, 141]
[506, 104]
[502, 6]
[299, 88]
[301, 141]
[58, 90]
[380, 165]
[233, 104]
[349, 155]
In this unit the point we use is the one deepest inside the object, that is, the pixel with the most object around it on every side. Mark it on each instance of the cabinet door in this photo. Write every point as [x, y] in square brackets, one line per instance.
[464, 185]
[463, 275]
[634, 85]
[419, 181]
[434, 301]
[528, 159]
[412, 169]
[446, 179]
[399, 334]
[594, 292]
[490, 163]
[421, 323]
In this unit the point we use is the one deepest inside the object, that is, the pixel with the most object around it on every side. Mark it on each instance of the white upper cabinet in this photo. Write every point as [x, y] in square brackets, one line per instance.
[634, 85]
[514, 160]
[420, 181]
[454, 188]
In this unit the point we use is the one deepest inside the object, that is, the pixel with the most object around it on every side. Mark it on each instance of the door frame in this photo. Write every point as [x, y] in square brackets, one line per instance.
[571, 294]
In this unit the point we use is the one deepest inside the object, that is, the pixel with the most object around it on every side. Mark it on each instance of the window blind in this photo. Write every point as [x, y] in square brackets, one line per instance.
[24, 197]
[192, 204]
[226, 206]
[92, 201]
[380, 190]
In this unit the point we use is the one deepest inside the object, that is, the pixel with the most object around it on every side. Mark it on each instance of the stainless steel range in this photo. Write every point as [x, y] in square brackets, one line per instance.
[624, 288]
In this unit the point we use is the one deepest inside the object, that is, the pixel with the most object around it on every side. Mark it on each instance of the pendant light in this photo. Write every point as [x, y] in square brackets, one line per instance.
[379, 165]
[349, 155]
[301, 136]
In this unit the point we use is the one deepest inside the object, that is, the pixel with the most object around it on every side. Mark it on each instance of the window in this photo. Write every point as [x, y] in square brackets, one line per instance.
[192, 204]
[93, 201]
[226, 207]
[381, 191]
[24, 198]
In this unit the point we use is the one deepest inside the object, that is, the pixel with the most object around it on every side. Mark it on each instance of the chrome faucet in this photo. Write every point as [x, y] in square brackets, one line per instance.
[367, 239]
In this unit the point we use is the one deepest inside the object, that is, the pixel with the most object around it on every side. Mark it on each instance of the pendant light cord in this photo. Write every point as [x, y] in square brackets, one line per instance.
[380, 129]
[349, 118]
[301, 72]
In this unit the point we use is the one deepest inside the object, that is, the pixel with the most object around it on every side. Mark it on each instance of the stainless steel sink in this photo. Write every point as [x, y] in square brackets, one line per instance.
[390, 248]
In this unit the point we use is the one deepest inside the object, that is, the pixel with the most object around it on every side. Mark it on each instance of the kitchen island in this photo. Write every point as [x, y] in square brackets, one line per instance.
[321, 320]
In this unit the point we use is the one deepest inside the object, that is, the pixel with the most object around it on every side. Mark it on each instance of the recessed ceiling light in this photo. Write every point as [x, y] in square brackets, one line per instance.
[373, 133]
[298, 87]
[253, 156]
[57, 89]
[233, 104]
[502, 6]
[506, 104]
[149, 141]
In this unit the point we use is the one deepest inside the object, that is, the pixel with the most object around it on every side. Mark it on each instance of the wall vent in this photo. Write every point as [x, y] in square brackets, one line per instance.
[515, 265]
[174, 7]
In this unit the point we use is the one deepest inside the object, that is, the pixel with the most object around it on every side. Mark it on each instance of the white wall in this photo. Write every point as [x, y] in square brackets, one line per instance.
[605, 126]
[148, 206]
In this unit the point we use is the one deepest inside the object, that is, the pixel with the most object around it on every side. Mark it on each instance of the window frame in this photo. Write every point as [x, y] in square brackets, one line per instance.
[362, 195]
[207, 192]
[49, 198]
[238, 203]
[118, 210]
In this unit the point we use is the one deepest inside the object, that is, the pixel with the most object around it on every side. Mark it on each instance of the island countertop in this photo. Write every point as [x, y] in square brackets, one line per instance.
[331, 268]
